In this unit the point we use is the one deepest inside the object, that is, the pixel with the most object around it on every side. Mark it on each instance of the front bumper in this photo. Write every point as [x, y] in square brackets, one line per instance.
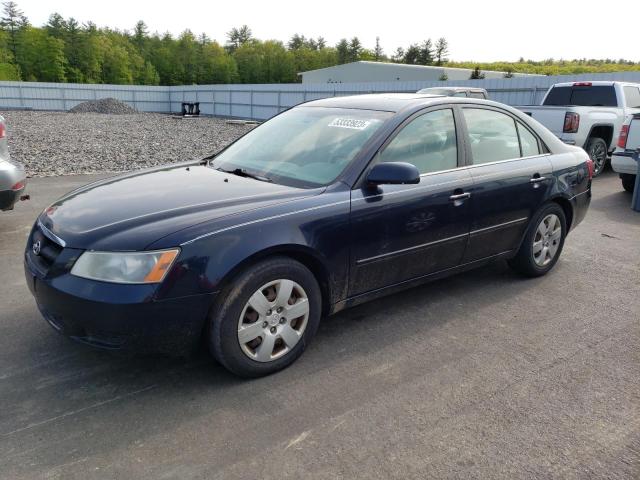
[118, 317]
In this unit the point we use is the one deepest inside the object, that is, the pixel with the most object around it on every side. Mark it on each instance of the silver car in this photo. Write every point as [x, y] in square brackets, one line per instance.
[472, 92]
[13, 179]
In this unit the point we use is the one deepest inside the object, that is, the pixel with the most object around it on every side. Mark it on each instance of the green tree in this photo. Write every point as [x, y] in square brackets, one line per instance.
[41, 56]
[14, 22]
[412, 55]
[441, 51]
[297, 42]
[398, 56]
[355, 50]
[265, 62]
[56, 26]
[377, 52]
[476, 74]
[115, 64]
[425, 54]
[342, 49]
[217, 65]
[237, 37]
[140, 34]
[8, 69]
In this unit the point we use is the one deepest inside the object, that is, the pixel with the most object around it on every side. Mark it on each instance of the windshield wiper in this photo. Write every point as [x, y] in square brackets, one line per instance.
[241, 172]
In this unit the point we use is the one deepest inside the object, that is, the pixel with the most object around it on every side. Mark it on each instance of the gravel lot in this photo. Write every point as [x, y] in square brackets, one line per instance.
[60, 143]
[484, 375]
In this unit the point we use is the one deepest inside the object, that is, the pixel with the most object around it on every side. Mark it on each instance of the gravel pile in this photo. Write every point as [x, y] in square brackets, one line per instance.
[56, 143]
[104, 105]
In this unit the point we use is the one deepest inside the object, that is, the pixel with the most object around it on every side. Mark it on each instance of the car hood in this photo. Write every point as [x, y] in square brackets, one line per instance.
[129, 212]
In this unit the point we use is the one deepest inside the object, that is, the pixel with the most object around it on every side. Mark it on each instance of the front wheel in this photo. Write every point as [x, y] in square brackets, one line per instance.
[265, 318]
[542, 243]
[597, 149]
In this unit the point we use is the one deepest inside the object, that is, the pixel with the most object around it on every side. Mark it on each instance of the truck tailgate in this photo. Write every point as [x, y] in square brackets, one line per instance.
[550, 117]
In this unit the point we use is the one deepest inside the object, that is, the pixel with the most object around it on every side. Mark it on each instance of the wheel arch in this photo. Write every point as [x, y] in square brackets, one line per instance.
[566, 206]
[601, 130]
[305, 255]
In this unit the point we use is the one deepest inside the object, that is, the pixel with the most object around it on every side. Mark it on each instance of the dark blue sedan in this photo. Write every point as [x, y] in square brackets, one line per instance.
[327, 205]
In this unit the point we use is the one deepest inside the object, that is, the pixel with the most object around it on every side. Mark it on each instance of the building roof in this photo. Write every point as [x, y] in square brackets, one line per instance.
[378, 64]
[401, 66]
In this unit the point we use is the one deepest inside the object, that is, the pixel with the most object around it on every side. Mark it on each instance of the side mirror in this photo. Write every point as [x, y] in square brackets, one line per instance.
[393, 173]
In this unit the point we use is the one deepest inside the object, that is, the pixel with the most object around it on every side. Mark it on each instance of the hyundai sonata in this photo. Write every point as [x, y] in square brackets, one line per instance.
[326, 205]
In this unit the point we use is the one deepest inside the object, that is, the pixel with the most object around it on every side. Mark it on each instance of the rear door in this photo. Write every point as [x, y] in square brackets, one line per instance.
[512, 175]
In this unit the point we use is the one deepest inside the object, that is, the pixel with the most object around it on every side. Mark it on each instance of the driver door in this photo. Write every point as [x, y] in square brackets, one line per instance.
[402, 232]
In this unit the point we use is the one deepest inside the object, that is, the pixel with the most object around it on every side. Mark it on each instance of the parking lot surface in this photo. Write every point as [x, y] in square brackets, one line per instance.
[482, 375]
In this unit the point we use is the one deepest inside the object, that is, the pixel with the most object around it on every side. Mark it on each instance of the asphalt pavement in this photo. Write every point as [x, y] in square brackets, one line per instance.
[482, 375]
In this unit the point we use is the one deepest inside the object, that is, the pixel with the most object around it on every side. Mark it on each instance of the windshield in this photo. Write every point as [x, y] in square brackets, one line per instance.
[303, 147]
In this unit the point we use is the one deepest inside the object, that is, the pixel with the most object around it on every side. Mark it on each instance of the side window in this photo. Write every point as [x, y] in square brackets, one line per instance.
[528, 141]
[632, 97]
[477, 95]
[428, 142]
[459, 94]
[492, 135]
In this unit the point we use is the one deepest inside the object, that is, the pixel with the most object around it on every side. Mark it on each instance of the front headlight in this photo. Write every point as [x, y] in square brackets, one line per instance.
[125, 267]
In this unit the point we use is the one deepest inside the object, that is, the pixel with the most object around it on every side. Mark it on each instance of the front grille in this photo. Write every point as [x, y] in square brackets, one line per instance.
[45, 255]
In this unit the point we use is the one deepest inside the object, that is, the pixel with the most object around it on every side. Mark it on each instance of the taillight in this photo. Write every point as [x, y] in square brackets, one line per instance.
[622, 139]
[571, 122]
[590, 167]
[18, 186]
[582, 84]
[3, 130]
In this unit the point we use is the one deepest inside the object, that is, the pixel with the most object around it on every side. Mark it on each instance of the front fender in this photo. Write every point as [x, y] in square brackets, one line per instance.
[317, 227]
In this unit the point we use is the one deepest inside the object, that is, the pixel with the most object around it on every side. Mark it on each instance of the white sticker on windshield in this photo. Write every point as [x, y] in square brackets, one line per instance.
[350, 123]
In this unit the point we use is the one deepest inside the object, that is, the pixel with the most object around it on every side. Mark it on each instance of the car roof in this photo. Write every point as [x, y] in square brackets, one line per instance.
[390, 102]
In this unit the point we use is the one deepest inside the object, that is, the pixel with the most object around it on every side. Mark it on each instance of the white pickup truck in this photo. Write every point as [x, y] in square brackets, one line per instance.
[588, 114]
[622, 161]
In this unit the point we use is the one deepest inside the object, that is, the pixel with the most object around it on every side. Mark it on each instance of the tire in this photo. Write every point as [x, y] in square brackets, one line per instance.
[273, 341]
[628, 182]
[597, 149]
[529, 260]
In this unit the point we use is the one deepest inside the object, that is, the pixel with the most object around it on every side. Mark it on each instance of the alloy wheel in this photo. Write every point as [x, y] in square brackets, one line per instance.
[598, 153]
[547, 240]
[273, 320]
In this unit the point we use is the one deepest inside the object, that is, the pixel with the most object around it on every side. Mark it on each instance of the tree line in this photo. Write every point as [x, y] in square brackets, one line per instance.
[63, 50]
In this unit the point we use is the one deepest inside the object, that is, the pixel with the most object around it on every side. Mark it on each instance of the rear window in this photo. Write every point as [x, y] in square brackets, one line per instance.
[583, 96]
[632, 96]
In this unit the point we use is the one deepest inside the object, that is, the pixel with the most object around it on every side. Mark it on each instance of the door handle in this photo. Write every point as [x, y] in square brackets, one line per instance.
[459, 196]
[537, 179]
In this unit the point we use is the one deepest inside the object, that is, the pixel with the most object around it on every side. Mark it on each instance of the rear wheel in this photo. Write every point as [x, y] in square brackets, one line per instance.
[597, 149]
[542, 243]
[628, 182]
[265, 319]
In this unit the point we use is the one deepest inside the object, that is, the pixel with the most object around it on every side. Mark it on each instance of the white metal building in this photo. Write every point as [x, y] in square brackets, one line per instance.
[387, 72]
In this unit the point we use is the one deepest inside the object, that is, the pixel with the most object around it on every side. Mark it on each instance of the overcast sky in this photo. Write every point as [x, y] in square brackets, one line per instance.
[481, 30]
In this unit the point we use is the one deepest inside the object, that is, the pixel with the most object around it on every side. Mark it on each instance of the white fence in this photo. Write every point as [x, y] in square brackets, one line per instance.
[263, 101]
